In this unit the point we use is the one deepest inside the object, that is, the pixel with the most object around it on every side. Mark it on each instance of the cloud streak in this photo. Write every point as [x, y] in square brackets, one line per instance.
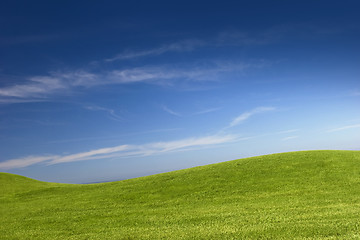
[128, 150]
[56, 83]
[344, 128]
[224, 38]
[37, 87]
[246, 115]
[289, 138]
[25, 162]
[288, 131]
[111, 112]
[181, 46]
[207, 111]
[120, 151]
[168, 110]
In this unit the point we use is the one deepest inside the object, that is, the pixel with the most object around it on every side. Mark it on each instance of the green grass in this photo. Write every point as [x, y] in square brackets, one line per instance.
[299, 195]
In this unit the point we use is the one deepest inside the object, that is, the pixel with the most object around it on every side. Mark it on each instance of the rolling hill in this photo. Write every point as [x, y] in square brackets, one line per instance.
[297, 195]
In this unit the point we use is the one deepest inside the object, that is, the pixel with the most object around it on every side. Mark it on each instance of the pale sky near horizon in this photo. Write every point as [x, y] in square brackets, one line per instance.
[107, 90]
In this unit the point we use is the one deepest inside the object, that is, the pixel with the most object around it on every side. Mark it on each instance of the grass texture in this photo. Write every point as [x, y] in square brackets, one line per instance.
[297, 195]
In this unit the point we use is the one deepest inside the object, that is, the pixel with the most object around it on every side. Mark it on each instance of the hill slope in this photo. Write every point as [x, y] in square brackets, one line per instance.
[13, 184]
[299, 195]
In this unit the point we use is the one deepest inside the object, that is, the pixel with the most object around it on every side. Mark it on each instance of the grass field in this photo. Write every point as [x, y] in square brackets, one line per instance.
[298, 195]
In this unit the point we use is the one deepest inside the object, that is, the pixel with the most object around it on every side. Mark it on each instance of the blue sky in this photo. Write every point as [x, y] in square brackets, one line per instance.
[108, 90]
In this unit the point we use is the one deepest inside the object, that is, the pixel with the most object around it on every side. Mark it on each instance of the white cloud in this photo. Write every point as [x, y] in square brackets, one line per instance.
[12, 100]
[141, 74]
[24, 162]
[93, 154]
[207, 111]
[168, 110]
[115, 136]
[39, 88]
[288, 131]
[79, 78]
[225, 38]
[244, 116]
[120, 151]
[190, 142]
[111, 112]
[35, 87]
[344, 128]
[181, 46]
[289, 138]
[157, 74]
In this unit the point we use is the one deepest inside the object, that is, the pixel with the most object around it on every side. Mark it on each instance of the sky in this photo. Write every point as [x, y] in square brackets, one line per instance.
[95, 91]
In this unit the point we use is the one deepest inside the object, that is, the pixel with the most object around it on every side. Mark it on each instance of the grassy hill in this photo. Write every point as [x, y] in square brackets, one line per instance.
[12, 184]
[298, 195]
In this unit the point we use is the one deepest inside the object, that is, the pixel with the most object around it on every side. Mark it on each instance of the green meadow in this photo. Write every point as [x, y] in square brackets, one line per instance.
[296, 195]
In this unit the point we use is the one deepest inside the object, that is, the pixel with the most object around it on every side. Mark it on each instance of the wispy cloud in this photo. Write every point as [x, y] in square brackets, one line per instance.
[35, 87]
[166, 75]
[128, 150]
[168, 110]
[289, 138]
[111, 112]
[232, 37]
[288, 131]
[181, 46]
[244, 116]
[93, 154]
[344, 128]
[121, 151]
[143, 74]
[56, 83]
[25, 162]
[21, 100]
[160, 147]
[205, 111]
[116, 136]
[209, 110]
[224, 38]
